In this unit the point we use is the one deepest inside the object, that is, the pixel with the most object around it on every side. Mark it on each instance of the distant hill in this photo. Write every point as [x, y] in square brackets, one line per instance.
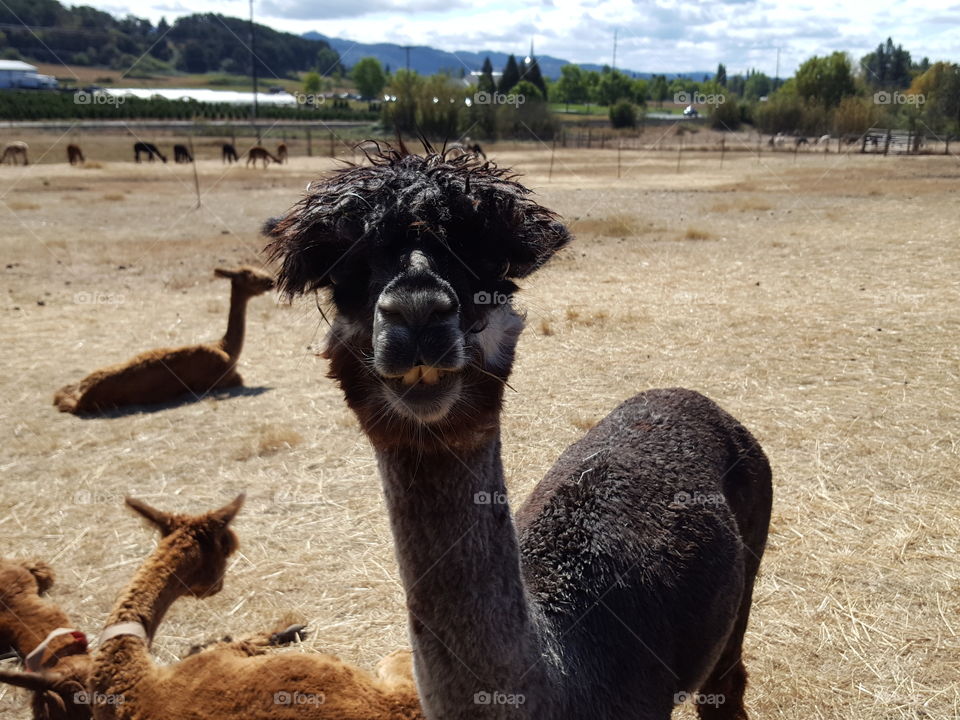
[427, 60]
[47, 31]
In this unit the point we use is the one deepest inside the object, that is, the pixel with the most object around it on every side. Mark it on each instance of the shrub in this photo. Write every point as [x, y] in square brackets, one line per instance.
[623, 114]
[725, 115]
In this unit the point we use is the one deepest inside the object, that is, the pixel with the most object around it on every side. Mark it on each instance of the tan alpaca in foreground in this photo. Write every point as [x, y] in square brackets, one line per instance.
[55, 654]
[165, 374]
[225, 682]
[58, 665]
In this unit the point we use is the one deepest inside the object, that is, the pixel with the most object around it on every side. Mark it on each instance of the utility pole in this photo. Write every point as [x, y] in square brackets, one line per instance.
[776, 78]
[253, 72]
[615, 31]
[407, 48]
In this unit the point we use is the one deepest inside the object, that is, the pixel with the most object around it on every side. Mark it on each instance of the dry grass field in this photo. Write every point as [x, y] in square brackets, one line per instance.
[818, 300]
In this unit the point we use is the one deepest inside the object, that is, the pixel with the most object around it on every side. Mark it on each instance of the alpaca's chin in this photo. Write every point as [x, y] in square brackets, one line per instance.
[424, 402]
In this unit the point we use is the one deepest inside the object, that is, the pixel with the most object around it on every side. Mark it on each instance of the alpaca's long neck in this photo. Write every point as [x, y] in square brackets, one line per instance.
[154, 588]
[232, 342]
[472, 624]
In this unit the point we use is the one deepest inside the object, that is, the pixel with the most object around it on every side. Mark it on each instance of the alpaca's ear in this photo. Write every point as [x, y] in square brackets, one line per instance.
[314, 240]
[224, 273]
[534, 241]
[37, 682]
[523, 235]
[224, 515]
[42, 573]
[163, 521]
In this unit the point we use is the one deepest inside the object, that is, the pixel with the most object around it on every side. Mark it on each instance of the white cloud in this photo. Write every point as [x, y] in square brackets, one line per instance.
[654, 35]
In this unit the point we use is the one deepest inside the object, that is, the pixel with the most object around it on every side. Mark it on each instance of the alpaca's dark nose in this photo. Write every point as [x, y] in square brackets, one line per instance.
[417, 322]
[417, 304]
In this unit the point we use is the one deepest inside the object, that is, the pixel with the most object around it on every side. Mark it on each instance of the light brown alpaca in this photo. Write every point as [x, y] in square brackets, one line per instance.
[54, 654]
[15, 152]
[261, 153]
[225, 682]
[162, 375]
[75, 155]
[282, 152]
[58, 666]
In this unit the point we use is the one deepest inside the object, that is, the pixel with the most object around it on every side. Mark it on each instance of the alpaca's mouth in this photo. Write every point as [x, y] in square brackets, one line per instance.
[424, 374]
[424, 392]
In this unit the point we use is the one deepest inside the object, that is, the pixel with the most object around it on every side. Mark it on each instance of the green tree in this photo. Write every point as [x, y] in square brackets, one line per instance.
[613, 86]
[194, 59]
[756, 86]
[888, 66]
[825, 80]
[328, 61]
[312, 84]
[369, 77]
[641, 91]
[528, 91]
[486, 84]
[623, 114]
[572, 86]
[659, 90]
[721, 76]
[531, 72]
[511, 75]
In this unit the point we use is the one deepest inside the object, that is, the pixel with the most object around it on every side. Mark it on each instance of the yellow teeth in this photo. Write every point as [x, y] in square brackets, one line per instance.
[422, 373]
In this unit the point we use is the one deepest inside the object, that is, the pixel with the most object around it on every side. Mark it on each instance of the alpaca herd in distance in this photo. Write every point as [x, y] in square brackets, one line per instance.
[16, 153]
[610, 593]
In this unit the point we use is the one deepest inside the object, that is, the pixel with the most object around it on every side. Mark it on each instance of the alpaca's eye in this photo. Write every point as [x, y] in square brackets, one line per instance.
[504, 269]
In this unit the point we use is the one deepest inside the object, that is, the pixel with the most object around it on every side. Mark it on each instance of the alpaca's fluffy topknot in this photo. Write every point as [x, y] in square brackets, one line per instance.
[475, 208]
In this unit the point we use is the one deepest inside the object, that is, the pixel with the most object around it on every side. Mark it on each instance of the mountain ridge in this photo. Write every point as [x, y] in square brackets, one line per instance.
[428, 61]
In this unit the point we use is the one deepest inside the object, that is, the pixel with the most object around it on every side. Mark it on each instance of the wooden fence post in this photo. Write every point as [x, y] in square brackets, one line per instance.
[553, 151]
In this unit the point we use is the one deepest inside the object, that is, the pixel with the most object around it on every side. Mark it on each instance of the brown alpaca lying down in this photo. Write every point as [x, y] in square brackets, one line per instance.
[162, 375]
[225, 682]
[58, 665]
[40, 632]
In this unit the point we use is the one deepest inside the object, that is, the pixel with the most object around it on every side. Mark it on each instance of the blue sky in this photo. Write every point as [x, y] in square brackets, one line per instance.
[654, 35]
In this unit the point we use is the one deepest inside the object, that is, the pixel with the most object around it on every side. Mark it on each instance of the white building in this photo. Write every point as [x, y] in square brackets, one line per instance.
[16, 75]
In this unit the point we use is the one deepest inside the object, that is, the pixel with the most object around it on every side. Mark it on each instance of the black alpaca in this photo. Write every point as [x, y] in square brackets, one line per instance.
[625, 581]
[149, 149]
[181, 154]
[228, 153]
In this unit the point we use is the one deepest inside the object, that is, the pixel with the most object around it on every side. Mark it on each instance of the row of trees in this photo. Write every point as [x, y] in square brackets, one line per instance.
[33, 105]
[827, 95]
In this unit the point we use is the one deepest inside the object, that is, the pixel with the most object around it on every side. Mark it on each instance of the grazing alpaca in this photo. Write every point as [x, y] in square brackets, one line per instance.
[282, 152]
[228, 154]
[260, 153]
[54, 654]
[75, 155]
[149, 149]
[181, 154]
[224, 682]
[158, 376]
[15, 152]
[627, 581]
[467, 146]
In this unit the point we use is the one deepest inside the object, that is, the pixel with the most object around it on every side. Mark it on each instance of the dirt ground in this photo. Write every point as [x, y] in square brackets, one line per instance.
[816, 298]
